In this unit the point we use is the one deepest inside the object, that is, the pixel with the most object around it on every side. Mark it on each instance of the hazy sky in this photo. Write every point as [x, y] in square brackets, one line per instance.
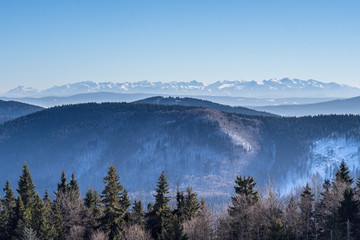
[43, 43]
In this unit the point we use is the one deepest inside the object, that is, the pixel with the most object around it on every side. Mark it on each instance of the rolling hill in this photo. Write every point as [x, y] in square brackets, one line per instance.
[340, 106]
[10, 110]
[193, 102]
[204, 148]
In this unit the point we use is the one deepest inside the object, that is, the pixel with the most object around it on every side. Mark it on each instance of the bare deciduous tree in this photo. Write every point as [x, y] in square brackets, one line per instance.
[135, 232]
[98, 235]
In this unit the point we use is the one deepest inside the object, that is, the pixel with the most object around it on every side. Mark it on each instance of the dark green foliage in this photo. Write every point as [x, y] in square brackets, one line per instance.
[174, 231]
[292, 216]
[7, 213]
[192, 203]
[180, 210]
[245, 186]
[343, 174]
[26, 187]
[58, 223]
[307, 223]
[113, 196]
[40, 221]
[73, 185]
[63, 186]
[137, 213]
[349, 211]
[23, 217]
[160, 217]
[276, 230]
[92, 201]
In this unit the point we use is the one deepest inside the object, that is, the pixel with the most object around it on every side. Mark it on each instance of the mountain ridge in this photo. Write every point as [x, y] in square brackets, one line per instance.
[285, 87]
[338, 106]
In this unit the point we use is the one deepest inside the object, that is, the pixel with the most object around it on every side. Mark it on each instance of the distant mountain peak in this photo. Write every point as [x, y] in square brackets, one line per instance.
[274, 88]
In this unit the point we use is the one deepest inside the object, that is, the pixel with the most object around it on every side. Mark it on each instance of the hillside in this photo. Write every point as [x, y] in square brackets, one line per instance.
[340, 106]
[10, 110]
[193, 102]
[201, 147]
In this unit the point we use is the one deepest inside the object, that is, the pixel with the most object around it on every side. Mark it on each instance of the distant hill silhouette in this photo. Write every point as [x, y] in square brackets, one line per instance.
[193, 102]
[340, 106]
[11, 109]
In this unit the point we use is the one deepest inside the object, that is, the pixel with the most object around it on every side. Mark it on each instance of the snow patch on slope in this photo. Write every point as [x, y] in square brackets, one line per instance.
[322, 162]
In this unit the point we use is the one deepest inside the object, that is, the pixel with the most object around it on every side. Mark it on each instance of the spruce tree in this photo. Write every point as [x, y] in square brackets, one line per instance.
[58, 223]
[348, 214]
[343, 174]
[276, 230]
[306, 213]
[241, 214]
[23, 217]
[112, 222]
[160, 216]
[292, 217]
[174, 231]
[73, 186]
[192, 204]
[180, 210]
[92, 201]
[245, 186]
[40, 221]
[137, 213]
[26, 187]
[63, 186]
[8, 216]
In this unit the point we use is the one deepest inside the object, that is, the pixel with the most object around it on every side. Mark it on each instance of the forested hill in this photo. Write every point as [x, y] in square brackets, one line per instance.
[193, 102]
[204, 148]
[11, 109]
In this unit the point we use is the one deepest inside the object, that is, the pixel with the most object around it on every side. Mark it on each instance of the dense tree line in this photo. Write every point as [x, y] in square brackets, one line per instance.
[332, 212]
[108, 215]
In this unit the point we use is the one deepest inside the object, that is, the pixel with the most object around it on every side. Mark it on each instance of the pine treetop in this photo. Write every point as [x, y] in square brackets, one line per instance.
[73, 185]
[343, 174]
[245, 186]
[161, 198]
[62, 186]
[26, 187]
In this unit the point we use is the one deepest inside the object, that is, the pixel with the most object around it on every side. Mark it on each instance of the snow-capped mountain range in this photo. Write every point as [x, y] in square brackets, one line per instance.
[286, 87]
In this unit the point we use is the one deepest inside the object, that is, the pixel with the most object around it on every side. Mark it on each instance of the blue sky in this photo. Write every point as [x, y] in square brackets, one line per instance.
[46, 43]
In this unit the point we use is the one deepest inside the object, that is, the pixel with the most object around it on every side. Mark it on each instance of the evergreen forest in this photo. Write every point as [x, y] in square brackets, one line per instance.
[331, 211]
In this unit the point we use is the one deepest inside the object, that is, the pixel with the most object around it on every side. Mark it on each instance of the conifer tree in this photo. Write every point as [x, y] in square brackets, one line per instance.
[26, 187]
[58, 223]
[180, 210]
[174, 231]
[63, 186]
[23, 217]
[192, 204]
[125, 203]
[112, 222]
[306, 213]
[137, 213]
[8, 217]
[92, 201]
[241, 211]
[245, 187]
[348, 215]
[73, 185]
[292, 217]
[343, 174]
[40, 221]
[276, 230]
[160, 216]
